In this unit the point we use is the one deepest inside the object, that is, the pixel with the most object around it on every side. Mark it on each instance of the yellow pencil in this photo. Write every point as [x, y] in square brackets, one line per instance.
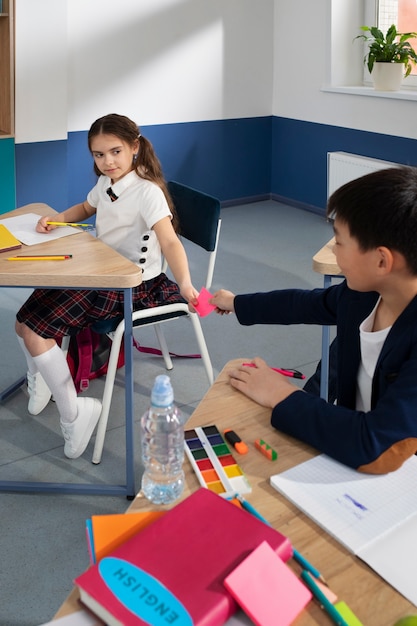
[67, 224]
[62, 257]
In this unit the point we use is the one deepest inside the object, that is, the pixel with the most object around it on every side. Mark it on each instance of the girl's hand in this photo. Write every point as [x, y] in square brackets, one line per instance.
[77, 213]
[190, 294]
[223, 300]
[261, 383]
[43, 227]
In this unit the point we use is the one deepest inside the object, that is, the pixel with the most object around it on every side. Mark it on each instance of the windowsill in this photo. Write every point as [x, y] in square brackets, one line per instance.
[359, 90]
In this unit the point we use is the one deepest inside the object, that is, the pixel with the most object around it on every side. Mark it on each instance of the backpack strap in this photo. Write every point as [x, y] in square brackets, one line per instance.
[147, 350]
[85, 359]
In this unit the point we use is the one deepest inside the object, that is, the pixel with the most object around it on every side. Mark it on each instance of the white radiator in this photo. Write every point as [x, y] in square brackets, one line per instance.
[343, 167]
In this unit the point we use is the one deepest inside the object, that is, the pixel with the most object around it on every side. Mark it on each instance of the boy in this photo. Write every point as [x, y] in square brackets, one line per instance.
[373, 427]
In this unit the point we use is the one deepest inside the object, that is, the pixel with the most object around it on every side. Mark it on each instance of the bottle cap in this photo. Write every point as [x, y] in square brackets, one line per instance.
[162, 393]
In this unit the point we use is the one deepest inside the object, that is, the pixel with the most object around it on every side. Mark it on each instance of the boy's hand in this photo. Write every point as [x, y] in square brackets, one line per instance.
[262, 384]
[223, 300]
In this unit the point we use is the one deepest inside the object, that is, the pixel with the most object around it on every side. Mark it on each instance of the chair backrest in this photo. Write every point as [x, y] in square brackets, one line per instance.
[199, 220]
[198, 214]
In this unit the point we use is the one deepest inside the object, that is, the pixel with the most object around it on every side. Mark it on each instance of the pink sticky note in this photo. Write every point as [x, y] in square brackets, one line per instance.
[267, 589]
[203, 307]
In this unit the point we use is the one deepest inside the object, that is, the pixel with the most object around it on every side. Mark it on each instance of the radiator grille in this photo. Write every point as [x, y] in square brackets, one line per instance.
[343, 167]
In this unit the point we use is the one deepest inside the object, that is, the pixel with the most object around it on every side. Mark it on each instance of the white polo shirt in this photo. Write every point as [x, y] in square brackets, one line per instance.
[126, 224]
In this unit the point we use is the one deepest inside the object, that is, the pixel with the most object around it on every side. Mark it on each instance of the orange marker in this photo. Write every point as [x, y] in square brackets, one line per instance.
[236, 441]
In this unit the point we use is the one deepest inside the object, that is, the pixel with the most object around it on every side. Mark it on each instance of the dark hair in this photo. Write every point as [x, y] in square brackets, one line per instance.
[147, 164]
[380, 209]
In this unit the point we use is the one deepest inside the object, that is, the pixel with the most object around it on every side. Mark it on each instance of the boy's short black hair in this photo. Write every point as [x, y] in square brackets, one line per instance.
[380, 209]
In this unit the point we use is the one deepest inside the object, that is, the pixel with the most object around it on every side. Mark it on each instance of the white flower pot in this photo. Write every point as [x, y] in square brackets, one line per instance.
[387, 76]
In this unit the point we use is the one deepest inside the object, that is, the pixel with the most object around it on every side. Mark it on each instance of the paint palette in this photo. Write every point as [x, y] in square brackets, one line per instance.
[213, 462]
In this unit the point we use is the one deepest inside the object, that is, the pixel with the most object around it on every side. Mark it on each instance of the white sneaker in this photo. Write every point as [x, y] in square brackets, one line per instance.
[77, 434]
[39, 393]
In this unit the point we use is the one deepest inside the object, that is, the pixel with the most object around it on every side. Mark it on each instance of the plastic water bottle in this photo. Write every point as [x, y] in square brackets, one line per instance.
[162, 439]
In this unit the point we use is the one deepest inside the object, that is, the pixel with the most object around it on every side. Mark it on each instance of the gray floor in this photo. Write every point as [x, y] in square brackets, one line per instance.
[263, 246]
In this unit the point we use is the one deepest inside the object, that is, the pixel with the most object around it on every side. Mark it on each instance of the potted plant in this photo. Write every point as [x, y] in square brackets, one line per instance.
[390, 57]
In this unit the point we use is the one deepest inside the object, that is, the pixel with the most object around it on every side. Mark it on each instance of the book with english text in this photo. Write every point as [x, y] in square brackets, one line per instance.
[172, 572]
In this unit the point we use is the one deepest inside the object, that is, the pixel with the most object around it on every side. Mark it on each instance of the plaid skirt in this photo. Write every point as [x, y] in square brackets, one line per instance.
[55, 313]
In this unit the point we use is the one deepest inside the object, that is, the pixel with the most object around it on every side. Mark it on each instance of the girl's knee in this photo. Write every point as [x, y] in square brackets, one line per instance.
[18, 328]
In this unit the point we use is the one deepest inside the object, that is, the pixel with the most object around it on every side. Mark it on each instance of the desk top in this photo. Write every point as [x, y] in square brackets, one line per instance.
[324, 261]
[94, 264]
[373, 601]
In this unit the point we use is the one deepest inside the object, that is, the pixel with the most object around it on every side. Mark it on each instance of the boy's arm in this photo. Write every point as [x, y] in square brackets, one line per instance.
[289, 306]
[376, 442]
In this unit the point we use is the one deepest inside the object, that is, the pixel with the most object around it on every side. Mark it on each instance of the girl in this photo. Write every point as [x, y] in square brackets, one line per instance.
[134, 215]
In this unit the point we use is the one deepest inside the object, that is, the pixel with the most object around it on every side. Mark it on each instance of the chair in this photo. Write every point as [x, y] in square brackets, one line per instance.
[199, 222]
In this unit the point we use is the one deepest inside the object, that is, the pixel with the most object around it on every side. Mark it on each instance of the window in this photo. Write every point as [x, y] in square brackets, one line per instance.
[402, 13]
[345, 70]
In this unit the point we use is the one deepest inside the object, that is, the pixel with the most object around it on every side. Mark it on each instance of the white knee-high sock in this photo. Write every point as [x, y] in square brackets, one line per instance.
[32, 367]
[55, 371]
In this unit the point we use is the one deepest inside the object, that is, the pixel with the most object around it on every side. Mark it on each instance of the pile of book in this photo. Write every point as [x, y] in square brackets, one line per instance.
[194, 565]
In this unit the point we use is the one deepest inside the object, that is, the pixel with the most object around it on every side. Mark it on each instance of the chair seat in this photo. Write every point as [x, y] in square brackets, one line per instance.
[109, 326]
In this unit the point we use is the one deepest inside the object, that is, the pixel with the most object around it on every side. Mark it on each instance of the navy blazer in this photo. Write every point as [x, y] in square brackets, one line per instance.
[377, 441]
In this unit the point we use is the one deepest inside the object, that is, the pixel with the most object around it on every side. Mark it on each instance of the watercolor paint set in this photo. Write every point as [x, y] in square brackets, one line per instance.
[213, 462]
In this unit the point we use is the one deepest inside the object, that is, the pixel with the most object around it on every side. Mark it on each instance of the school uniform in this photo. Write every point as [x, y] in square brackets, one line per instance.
[125, 215]
[376, 441]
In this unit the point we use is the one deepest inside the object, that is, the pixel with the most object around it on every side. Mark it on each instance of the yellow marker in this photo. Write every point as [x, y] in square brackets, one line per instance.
[62, 257]
[67, 224]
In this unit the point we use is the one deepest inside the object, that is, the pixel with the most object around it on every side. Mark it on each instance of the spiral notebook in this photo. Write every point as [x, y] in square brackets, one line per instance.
[373, 516]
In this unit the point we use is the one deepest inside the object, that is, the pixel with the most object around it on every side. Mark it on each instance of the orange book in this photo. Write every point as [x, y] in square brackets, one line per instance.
[106, 532]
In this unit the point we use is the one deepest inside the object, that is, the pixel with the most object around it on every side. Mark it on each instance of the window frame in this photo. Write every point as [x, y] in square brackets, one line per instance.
[371, 11]
[345, 69]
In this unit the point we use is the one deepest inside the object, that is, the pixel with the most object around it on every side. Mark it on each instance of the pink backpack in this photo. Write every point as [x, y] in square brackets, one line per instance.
[88, 357]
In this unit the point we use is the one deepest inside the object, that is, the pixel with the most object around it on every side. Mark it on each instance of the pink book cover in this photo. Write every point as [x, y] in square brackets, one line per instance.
[173, 571]
[266, 589]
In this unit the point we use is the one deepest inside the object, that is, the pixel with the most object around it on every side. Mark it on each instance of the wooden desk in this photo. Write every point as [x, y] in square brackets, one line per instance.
[94, 266]
[324, 262]
[373, 601]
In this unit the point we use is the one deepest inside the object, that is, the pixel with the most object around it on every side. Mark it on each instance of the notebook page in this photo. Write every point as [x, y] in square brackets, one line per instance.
[354, 508]
[394, 557]
[23, 228]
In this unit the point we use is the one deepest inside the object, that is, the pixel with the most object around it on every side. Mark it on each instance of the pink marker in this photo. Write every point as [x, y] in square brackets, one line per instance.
[284, 372]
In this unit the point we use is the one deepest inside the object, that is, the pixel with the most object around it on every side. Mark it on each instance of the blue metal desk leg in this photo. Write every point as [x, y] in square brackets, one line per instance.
[89, 489]
[325, 345]
[130, 448]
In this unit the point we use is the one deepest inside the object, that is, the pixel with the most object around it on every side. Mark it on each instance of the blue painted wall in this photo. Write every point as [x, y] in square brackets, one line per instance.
[299, 156]
[41, 173]
[235, 160]
[230, 159]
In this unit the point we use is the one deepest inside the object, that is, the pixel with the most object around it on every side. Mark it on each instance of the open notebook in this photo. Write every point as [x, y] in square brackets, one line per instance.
[375, 517]
[23, 227]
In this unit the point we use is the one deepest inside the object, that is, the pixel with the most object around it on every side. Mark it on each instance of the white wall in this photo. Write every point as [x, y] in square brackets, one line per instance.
[302, 66]
[170, 61]
[40, 70]
[157, 61]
